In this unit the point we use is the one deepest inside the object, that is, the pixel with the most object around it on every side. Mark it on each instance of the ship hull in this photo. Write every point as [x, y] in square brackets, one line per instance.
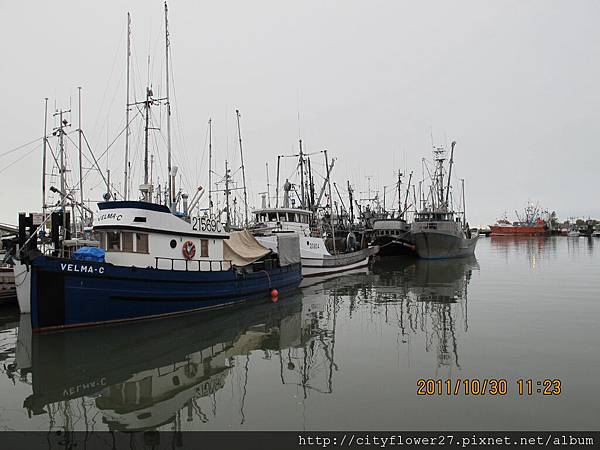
[519, 230]
[328, 264]
[67, 293]
[439, 245]
[391, 246]
[316, 259]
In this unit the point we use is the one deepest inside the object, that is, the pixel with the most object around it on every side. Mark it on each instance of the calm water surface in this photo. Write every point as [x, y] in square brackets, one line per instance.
[342, 353]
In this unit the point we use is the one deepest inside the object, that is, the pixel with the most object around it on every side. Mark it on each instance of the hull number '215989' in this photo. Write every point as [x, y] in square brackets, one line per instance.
[206, 224]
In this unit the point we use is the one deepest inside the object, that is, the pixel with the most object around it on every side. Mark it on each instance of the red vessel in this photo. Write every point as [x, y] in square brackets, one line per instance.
[531, 225]
[505, 228]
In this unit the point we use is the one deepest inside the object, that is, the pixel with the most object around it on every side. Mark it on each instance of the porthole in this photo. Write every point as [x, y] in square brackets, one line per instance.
[173, 243]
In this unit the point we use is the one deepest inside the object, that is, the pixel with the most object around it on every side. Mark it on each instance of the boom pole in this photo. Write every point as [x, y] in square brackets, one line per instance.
[450, 172]
[407, 190]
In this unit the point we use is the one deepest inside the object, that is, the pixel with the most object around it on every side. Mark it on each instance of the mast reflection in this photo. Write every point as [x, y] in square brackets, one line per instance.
[428, 297]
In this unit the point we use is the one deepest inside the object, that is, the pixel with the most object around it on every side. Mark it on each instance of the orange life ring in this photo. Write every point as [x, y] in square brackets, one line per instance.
[188, 250]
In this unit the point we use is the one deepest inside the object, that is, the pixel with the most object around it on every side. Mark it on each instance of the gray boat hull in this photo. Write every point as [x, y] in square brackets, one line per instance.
[432, 244]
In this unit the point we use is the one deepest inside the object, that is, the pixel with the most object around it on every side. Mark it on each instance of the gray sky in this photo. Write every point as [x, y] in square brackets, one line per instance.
[515, 83]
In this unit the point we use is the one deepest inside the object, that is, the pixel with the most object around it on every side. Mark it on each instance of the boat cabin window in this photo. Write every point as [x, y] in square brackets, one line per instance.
[141, 241]
[273, 217]
[127, 242]
[292, 217]
[113, 241]
[203, 248]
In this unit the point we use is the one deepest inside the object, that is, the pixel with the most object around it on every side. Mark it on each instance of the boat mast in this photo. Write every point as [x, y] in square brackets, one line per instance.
[210, 167]
[227, 214]
[44, 158]
[237, 113]
[350, 195]
[399, 194]
[80, 162]
[145, 189]
[330, 201]
[61, 132]
[268, 187]
[125, 180]
[311, 182]
[277, 185]
[450, 172]
[168, 103]
[464, 205]
[302, 194]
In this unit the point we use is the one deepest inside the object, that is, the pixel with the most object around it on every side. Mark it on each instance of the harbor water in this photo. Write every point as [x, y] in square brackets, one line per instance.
[343, 353]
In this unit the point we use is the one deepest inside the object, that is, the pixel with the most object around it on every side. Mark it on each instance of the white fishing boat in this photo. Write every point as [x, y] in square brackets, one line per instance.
[321, 249]
[315, 256]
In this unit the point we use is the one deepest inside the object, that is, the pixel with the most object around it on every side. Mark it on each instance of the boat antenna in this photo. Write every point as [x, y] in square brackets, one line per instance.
[210, 204]
[450, 171]
[125, 171]
[168, 103]
[237, 114]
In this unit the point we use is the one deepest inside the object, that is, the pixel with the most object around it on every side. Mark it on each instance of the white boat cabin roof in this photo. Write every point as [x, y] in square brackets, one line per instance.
[282, 215]
[153, 218]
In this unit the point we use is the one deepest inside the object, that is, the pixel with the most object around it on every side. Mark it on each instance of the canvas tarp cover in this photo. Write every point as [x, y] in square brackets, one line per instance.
[242, 249]
[288, 245]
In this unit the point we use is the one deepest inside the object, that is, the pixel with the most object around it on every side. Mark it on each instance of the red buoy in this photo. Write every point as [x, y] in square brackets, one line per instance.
[274, 292]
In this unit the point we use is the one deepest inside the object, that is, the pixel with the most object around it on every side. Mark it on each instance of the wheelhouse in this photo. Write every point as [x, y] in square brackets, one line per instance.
[280, 215]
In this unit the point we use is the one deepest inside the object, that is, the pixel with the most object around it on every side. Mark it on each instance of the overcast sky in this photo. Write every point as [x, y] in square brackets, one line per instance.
[515, 83]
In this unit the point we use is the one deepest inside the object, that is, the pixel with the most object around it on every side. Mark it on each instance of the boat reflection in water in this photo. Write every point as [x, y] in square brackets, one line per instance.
[534, 248]
[429, 297]
[172, 373]
[141, 375]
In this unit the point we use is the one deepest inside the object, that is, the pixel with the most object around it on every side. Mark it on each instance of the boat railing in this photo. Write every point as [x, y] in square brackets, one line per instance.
[192, 265]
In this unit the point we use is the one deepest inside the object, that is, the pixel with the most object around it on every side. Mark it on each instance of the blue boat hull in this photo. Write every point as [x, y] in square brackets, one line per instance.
[67, 293]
